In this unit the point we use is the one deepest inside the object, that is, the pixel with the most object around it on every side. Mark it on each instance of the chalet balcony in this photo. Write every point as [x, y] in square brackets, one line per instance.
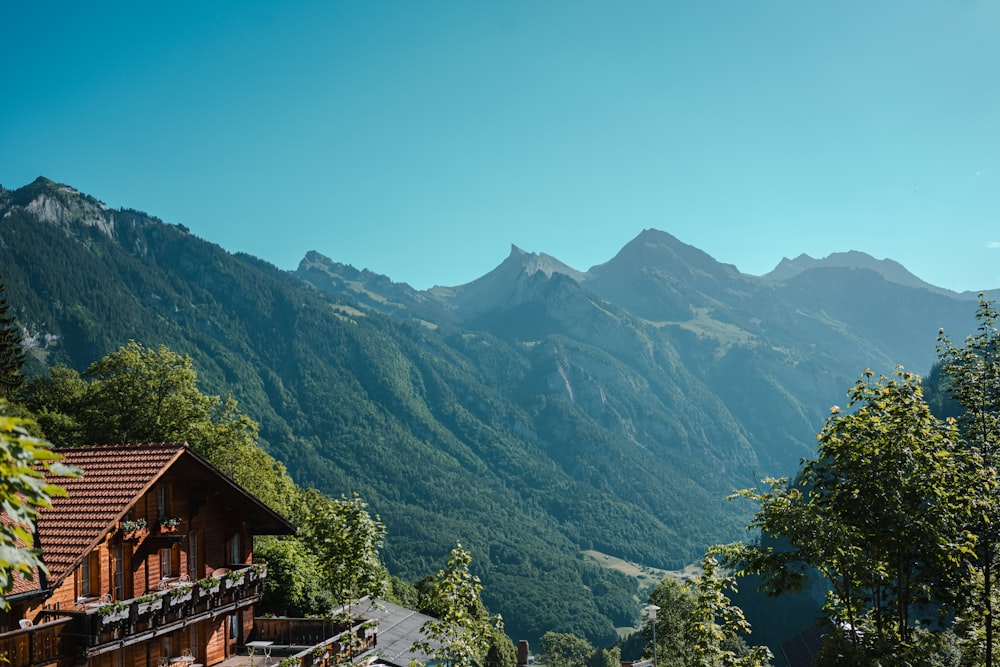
[47, 643]
[105, 626]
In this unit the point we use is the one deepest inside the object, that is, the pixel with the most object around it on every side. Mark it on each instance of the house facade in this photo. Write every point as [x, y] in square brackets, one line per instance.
[150, 561]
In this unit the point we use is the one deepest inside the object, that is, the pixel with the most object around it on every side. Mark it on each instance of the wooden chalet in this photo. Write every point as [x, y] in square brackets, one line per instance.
[150, 563]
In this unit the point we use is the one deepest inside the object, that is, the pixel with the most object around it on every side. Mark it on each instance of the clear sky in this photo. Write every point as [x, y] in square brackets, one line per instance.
[421, 138]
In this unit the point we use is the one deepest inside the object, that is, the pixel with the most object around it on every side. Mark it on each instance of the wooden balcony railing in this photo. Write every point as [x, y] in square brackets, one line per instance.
[46, 643]
[296, 631]
[341, 648]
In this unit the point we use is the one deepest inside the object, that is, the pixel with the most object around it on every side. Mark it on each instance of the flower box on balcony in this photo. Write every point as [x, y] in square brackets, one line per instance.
[210, 585]
[180, 595]
[132, 530]
[148, 604]
[112, 612]
[169, 525]
[234, 579]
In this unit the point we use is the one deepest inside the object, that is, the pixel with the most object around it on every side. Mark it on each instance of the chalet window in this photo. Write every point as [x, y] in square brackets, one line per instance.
[170, 561]
[165, 570]
[85, 576]
[90, 574]
[163, 501]
[196, 556]
[235, 552]
[122, 566]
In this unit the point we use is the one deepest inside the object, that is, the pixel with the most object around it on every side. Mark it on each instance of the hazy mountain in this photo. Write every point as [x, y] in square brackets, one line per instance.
[532, 413]
[890, 270]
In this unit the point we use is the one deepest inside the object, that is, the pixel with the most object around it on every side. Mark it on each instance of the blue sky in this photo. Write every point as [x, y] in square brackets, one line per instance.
[420, 139]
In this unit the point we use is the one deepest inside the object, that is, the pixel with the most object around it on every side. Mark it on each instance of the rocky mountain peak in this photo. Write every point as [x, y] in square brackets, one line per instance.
[62, 205]
[531, 263]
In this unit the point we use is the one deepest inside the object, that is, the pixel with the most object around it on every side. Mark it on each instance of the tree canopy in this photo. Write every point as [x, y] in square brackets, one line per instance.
[973, 381]
[462, 630]
[882, 513]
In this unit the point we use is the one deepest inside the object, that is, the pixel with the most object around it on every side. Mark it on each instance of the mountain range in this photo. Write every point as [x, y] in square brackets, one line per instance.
[535, 413]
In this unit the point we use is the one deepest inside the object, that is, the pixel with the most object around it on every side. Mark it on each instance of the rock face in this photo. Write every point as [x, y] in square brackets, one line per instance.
[62, 205]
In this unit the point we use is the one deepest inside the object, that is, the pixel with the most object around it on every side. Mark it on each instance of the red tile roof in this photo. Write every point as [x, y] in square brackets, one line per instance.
[113, 477]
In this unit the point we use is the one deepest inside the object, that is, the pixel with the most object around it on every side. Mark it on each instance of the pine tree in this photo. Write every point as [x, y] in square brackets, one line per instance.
[11, 348]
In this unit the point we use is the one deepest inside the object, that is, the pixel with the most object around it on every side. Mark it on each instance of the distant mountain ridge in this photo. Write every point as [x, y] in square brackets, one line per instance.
[891, 270]
[534, 412]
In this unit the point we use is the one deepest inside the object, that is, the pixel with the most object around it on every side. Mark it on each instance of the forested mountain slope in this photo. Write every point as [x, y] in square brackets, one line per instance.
[533, 413]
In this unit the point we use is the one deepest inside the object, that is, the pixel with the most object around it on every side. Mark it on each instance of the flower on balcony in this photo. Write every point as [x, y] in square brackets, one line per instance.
[169, 523]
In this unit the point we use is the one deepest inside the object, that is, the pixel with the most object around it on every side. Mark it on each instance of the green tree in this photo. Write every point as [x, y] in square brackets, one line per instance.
[607, 657]
[973, 371]
[144, 395]
[502, 652]
[881, 513]
[293, 586]
[403, 593]
[23, 491]
[57, 402]
[560, 649]
[12, 353]
[347, 541]
[716, 627]
[676, 603]
[460, 634]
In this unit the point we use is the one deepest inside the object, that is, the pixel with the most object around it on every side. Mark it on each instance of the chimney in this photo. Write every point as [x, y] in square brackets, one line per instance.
[522, 653]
